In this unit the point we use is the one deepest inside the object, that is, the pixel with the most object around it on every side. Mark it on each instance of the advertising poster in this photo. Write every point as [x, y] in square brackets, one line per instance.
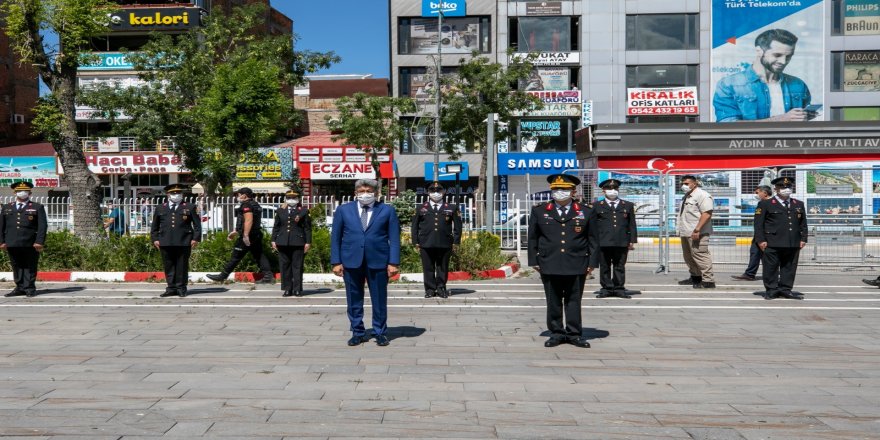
[557, 96]
[861, 17]
[875, 179]
[421, 85]
[861, 71]
[265, 164]
[548, 78]
[834, 211]
[39, 170]
[459, 35]
[834, 181]
[781, 39]
[662, 101]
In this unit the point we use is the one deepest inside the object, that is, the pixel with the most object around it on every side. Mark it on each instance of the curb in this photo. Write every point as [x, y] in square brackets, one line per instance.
[505, 271]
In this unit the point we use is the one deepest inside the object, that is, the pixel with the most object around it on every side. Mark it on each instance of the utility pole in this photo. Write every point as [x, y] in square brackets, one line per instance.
[437, 68]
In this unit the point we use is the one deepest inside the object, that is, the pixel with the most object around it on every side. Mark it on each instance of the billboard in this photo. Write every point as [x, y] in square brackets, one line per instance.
[38, 170]
[662, 101]
[861, 17]
[265, 164]
[557, 96]
[548, 78]
[753, 46]
[459, 35]
[861, 71]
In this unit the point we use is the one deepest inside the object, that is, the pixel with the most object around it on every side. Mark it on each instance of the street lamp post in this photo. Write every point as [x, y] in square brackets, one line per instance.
[456, 168]
[437, 90]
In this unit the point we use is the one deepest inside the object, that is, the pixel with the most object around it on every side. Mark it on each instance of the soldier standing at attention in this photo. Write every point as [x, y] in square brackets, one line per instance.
[176, 230]
[561, 248]
[292, 238]
[781, 232]
[249, 234]
[436, 230]
[614, 221]
[23, 234]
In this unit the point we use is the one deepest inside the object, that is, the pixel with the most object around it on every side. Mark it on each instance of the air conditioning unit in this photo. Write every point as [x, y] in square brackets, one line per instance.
[17, 119]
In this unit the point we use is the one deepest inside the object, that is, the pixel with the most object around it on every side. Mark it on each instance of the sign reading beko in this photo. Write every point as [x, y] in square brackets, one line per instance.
[156, 19]
[662, 101]
[518, 164]
[449, 8]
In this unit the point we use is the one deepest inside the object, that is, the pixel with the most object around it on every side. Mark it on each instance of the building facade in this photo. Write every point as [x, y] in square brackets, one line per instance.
[19, 89]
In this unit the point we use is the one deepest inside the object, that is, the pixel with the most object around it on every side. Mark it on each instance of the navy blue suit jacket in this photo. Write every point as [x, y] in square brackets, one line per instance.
[378, 245]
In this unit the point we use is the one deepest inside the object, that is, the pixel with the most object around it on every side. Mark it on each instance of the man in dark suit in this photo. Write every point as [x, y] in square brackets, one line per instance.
[560, 248]
[614, 223]
[292, 238]
[781, 233]
[365, 247]
[176, 230]
[436, 229]
[249, 231]
[23, 235]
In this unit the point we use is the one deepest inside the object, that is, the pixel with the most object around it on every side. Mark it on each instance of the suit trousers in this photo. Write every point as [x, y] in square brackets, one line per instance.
[754, 260]
[256, 251]
[24, 261]
[564, 293]
[290, 260]
[435, 267]
[377, 280]
[780, 268]
[697, 257]
[613, 256]
[176, 263]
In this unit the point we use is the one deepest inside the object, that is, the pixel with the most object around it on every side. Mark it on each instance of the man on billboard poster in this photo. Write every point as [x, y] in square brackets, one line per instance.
[762, 92]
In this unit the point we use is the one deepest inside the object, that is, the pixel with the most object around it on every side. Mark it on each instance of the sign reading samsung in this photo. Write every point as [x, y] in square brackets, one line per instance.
[518, 164]
[450, 8]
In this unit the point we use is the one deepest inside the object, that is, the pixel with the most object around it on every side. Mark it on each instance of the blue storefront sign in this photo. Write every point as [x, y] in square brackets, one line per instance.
[109, 61]
[518, 164]
[444, 174]
[450, 8]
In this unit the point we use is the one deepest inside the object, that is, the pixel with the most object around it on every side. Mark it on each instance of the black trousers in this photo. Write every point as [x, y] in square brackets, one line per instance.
[176, 263]
[256, 251]
[435, 267]
[291, 258]
[613, 256]
[564, 293]
[24, 262]
[754, 260]
[780, 268]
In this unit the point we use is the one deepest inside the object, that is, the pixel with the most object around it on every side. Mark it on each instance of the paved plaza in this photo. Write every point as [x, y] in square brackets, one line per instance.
[114, 361]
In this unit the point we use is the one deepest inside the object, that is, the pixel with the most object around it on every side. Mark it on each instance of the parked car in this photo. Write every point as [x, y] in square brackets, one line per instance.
[215, 219]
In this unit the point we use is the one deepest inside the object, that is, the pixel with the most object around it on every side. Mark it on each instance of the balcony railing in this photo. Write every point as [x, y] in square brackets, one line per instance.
[124, 144]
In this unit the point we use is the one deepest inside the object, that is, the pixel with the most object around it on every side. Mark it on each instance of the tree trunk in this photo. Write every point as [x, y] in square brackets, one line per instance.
[83, 185]
[480, 206]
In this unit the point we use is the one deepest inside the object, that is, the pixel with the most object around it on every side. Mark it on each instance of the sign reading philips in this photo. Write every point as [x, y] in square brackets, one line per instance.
[518, 164]
[444, 174]
[450, 8]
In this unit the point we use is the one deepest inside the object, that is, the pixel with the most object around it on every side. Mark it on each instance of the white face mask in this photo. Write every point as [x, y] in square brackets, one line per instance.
[22, 195]
[175, 198]
[435, 196]
[611, 193]
[785, 192]
[758, 197]
[366, 198]
[292, 201]
[685, 187]
[561, 195]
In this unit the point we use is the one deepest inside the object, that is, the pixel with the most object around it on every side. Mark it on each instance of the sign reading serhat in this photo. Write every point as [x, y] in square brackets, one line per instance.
[563, 181]
[22, 185]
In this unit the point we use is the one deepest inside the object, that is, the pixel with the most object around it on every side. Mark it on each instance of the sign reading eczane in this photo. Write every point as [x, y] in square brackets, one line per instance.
[156, 19]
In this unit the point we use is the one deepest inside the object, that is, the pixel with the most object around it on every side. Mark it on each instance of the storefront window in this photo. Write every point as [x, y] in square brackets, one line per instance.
[665, 75]
[855, 113]
[418, 82]
[544, 34]
[419, 138]
[855, 71]
[459, 35]
[855, 17]
[544, 135]
[662, 32]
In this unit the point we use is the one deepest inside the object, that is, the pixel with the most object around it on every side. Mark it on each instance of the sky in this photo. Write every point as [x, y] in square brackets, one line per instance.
[357, 30]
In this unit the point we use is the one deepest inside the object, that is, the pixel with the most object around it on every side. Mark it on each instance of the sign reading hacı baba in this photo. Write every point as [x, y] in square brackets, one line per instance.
[154, 19]
[143, 163]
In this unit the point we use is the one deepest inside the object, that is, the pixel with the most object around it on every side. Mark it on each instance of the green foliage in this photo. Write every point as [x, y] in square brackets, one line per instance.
[48, 119]
[405, 205]
[478, 252]
[318, 213]
[318, 258]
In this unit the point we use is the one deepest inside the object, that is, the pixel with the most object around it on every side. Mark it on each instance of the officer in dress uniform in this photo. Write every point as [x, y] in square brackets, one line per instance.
[436, 229]
[781, 233]
[563, 250]
[292, 238]
[614, 223]
[249, 234]
[176, 230]
[23, 235]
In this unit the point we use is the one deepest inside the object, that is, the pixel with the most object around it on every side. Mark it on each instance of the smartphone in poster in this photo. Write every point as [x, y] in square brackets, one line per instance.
[767, 60]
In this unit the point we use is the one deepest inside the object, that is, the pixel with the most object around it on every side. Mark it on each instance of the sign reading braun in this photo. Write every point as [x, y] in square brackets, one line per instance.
[517, 164]
[449, 8]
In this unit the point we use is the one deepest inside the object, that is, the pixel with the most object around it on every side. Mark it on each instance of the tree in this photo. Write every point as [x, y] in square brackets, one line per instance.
[481, 87]
[219, 90]
[372, 123]
[75, 22]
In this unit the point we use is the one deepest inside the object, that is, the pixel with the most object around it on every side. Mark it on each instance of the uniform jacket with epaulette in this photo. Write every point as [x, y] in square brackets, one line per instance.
[440, 229]
[23, 228]
[562, 245]
[176, 228]
[614, 227]
[778, 226]
[292, 227]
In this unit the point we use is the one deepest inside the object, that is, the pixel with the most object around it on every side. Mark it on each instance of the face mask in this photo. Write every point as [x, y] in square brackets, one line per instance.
[561, 195]
[785, 192]
[242, 199]
[292, 201]
[23, 195]
[685, 187]
[611, 193]
[435, 196]
[175, 198]
[758, 197]
[366, 198]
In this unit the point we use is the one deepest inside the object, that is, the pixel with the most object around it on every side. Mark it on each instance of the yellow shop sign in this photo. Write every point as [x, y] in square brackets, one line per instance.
[158, 19]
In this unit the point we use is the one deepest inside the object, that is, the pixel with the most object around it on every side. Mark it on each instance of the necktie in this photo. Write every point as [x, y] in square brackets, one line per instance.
[613, 205]
[20, 205]
[365, 217]
[564, 210]
[173, 206]
[786, 204]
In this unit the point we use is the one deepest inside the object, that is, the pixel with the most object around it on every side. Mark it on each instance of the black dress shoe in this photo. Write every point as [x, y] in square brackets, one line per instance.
[579, 342]
[770, 295]
[622, 294]
[429, 294]
[31, 293]
[875, 282]
[790, 295]
[553, 342]
[690, 281]
[168, 293]
[443, 293]
[356, 340]
[181, 293]
[287, 293]
[267, 279]
[704, 285]
[15, 292]
[602, 293]
[382, 340]
[218, 277]
[297, 293]
[743, 277]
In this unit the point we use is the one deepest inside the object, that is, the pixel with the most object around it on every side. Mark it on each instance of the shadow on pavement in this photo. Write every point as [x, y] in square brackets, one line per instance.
[206, 290]
[70, 289]
[460, 291]
[587, 332]
[307, 292]
[406, 331]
